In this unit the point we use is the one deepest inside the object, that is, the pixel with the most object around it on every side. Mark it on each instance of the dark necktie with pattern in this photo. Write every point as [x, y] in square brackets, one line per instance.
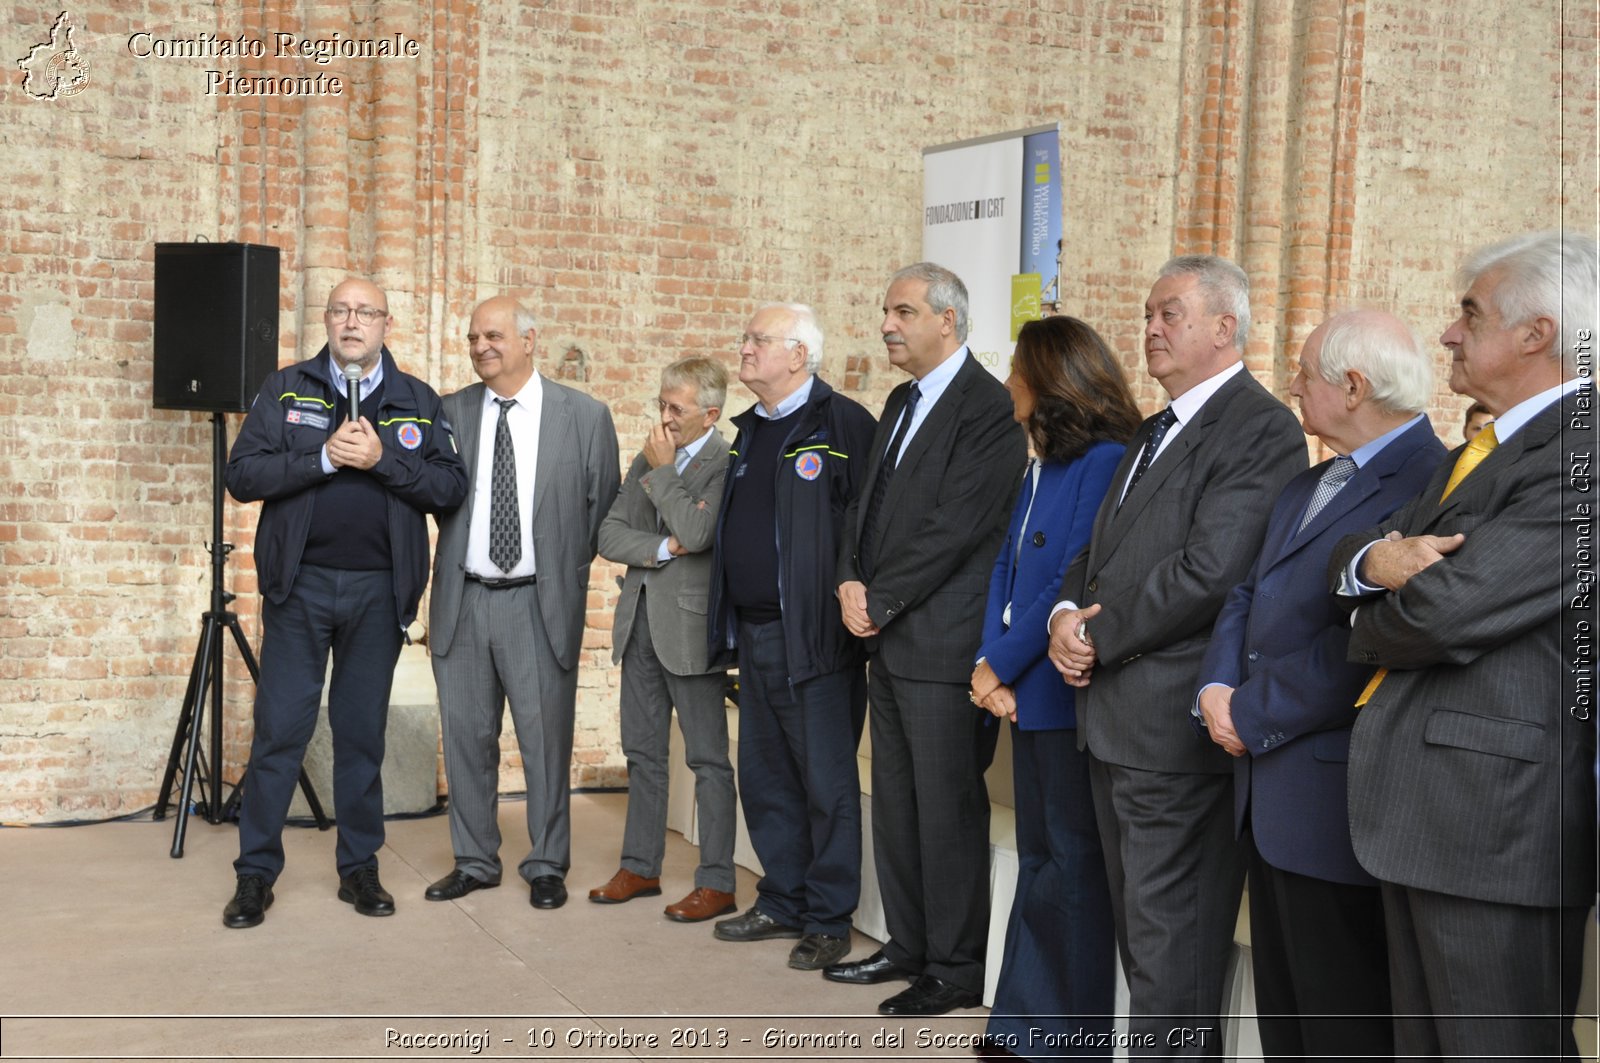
[1158, 431]
[1333, 478]
[505, 526]
[880, 486]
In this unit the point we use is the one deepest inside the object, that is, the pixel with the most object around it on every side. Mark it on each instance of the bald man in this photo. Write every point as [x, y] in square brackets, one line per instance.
[510, 582]
[341, 558]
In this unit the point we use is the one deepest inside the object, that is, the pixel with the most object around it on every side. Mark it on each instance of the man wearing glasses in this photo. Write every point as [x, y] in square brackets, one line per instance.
[341, 556]
[795, 468]
[661, 528]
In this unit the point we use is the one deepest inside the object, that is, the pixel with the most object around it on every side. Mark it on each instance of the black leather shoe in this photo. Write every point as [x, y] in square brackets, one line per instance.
[455, 885]
[929, 996]
[753, 925]
[547, 891]
[989, 1049]
[816, 951]
[362, 889]
[251, 899]
[870, 971]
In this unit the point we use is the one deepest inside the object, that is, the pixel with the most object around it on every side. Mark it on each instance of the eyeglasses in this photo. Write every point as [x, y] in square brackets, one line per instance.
[367, 315]
[674, 409]
[761, 339]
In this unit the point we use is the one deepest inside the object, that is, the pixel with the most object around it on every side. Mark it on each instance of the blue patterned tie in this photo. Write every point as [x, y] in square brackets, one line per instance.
[1334, 477]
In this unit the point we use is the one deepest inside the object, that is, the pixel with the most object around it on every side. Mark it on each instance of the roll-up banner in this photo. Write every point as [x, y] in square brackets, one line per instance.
[991, 211]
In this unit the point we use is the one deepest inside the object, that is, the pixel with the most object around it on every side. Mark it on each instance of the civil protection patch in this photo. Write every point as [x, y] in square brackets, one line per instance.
[409, 435]
[808, 466]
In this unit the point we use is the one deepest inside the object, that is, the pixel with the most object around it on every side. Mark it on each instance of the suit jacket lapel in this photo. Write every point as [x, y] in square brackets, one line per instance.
[1176, 454]
[555, 429]
[470, 427]
[1100, 538]
[703, 465]
[933, 427]
[1367, 482]
[880, 442]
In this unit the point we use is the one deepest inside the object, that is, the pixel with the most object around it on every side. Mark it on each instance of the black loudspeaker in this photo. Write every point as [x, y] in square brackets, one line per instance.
[216, 325]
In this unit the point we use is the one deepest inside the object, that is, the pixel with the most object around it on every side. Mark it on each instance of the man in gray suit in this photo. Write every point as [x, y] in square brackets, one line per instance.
[510, 582]
[1182, 524]
[913, 571]
[662, 527]
[1472, 793]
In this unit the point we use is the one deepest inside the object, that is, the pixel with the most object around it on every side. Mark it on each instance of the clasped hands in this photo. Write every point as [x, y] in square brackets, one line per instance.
[354, 444]
[1071, 649]
[992, 695]
[853, 609]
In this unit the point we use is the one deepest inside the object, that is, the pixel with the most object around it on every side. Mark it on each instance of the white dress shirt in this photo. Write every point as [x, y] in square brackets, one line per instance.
[930, 387]
[523, 420]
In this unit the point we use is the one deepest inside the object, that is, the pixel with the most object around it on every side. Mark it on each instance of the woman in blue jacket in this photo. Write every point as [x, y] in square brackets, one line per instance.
[1056, 978]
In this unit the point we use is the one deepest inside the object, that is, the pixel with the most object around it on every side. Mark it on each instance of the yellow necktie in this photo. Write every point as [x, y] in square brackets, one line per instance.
[1482, 443]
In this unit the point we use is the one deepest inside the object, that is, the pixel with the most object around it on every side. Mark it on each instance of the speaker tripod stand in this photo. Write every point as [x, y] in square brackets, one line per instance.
[205, 677]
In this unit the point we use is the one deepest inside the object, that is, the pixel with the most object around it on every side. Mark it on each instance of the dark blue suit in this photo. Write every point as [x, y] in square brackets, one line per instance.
[1281, 642]
[1059, 944]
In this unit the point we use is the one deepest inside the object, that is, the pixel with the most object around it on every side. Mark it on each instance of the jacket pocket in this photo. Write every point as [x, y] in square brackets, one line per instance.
[692, 603]
[1496, 736]
[1331, 747]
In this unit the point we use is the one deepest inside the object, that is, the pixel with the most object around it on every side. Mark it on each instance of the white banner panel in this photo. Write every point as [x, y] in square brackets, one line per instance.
[971, 223]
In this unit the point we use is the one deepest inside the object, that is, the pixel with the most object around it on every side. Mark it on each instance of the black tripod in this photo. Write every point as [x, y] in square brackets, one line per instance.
[206, 675]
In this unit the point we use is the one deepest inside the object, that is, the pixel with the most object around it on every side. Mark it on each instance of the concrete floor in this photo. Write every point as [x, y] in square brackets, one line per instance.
[113, 950]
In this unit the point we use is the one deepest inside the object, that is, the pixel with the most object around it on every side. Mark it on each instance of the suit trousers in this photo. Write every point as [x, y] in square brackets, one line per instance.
[930, 824]
[649, 694]
[1177, 876]
[501, 653]
[1321, 966]
[799, 783]
[1479, 980]
[1058, 975]
[353, 614]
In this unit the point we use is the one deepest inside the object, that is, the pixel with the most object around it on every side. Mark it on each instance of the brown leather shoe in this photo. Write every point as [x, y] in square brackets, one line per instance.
[625, 886]
[700, 905]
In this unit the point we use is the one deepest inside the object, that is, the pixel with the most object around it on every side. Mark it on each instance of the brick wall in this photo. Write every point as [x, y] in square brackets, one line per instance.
[643, 173]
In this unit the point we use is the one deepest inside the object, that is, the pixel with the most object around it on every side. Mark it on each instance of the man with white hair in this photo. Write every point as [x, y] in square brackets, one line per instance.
[796, 465]
[1277, 693]
[1472, 795]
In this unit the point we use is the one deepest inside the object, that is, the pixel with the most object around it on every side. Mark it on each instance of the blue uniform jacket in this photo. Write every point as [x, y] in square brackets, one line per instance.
[278, 459]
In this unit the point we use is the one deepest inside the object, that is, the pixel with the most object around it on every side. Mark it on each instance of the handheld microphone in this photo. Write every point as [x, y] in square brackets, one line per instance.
[352, 384]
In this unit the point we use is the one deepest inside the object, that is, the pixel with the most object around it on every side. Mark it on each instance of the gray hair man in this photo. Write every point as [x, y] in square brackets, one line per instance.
[1472, 793]
[661, 527]
[913, 580]
[1182, 523]
[1277, 693]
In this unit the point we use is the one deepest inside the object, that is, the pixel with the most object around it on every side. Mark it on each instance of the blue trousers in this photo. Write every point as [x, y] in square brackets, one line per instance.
[353, 614]
[1058, 975]
[799, 783]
